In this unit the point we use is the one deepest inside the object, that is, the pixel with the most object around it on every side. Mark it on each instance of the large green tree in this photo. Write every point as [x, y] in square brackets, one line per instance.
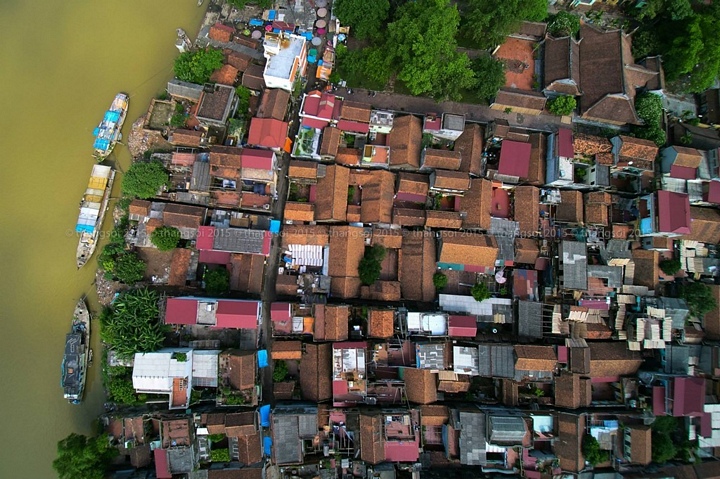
[421, 44]
[165, 238]
[365, 17]
[562, 105]
[132, 324]
[217, 281]
[144, 179]
[699, 298]
[82, 456]
[564, 24]
[197, 66]
[129, 268]
[489, 76]
[488, 22]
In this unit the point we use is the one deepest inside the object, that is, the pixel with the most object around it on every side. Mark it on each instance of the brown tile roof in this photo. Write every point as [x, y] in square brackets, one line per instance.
[286, 285]
[526, 250]
[408, 217]
[226, 157]
[534, 30]
[434, 415]
[243, 473]
[461, 385]
[330, 141]
[538, 152]
[470, 249]
[570, 208]
[389, 238]
[221, 33]
[183, 216]
[416, 267]
[641, 440]
[404, 141]
[647, 269]
[377, 194]
[421, 385]
[298, 211]
[249, 449]
[381, 323]
[305, 234]
[512, 98]
[226, 75]
[450, 180]
[274, 104]
[616, 109]
[253, 77]
[303, 169]
[562, 65]
[527, 209]
[239, 60]
[613, 359]
[413, 183]
[284, 390]
[470, 145]
[331, 322]
[442, 159]
[477, 204]
[590, 145]
[240, 424]
[286, 350]
[181, 137]
[568, 444]
[347, 247]
[348, 156]
[215, 422]
[241, 368]
[355, 111]
[597, 208]
[245, 271]
[345, 287]
[443, 219]
[687, 157]
[316, 372]
[634, 149]
[535, 358]
[179, 266]
[711, 319]
[332, 194]
[382, 291]
[140, 208]
[572, 391]
[704, 225]
[372, 442]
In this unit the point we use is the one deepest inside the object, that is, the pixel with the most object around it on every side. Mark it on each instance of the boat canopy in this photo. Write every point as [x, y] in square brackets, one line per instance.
[101, 144]
[96, 131]
[112, 116]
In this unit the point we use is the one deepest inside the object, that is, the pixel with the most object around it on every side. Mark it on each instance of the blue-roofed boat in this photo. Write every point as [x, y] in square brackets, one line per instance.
[108, 132]
[77, 351]
[92, 211]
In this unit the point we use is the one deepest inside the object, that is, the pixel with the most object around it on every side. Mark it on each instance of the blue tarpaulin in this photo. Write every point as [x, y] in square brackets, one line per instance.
[265, 415]
[271, 15]
[275, 226]
[262, 359]
[308, 35]
[84, 228]
[256, 22]
[101, 144]
[267, 446]
[112, 116]
[96, 131]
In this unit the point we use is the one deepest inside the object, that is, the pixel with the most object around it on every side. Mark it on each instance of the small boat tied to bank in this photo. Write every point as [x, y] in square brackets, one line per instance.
[77, 350]
[93, 206]
[108, 132]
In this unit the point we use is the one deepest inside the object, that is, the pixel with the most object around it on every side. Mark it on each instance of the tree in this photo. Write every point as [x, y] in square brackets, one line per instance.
[649, 108]
[129, 268]
[165, 238]
[82, 456]
[488, 23]
[562, 105]
[197, 66]
[421, 44]
[663, 448]
[440, 280]
[489, 76]
[670, 266]
[365, 17]
[673, 9]
[665, 425]
[371, 264]
[243, 95]
[132, 324]
[564, 24]
[217, 281]
[144, 179]
[592, 452]
[121, 390]
[653, 133]
[698, 297]
[480, 292]
[280, 371]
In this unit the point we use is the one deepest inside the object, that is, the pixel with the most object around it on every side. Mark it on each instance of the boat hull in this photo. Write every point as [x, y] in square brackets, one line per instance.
[108, 132]
[75, 359]
[92, 211]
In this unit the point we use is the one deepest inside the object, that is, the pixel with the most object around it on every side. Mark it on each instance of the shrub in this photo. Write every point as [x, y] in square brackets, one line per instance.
[144, 179]
[663, 448]
[220, 455]
[280, 371]
[670, 266]
[165, 238]
[217, 281]
[480, 292]
[592, 452]
[128, 268]
[649, 108]
[371, 264]
[216, 437]
[564, 24]
[440, 280]
[121, 390]
[82, 456]
[562, 105]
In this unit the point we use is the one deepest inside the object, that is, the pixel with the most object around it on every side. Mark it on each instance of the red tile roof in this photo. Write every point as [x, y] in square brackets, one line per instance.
[181, 311]
[267, 132]
[565, 143]
[258, 159]
[673, 212]
[462, 326]
[280, 312]
[237, 314]
[353, 126]
[162, 468]
[688, 396]
[683, 172]
[221, 33]
[514, 158]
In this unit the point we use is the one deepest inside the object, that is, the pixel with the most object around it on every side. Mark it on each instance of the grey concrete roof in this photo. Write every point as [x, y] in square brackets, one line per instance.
[574, 261]
[677, 359]
[239, 240]
[286, 440]
[200, 179]
[506, 430]
[614, 274]
[530, 319]
[496, 360]
[430, 355]
[184, 89]
[472, 438]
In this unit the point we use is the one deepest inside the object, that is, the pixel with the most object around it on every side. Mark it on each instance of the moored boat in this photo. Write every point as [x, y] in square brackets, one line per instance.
[108, 132]
[92, 211]
[75, 359]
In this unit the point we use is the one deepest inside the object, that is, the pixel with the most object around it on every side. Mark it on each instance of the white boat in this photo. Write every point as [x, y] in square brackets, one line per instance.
[108, 132]
[92, 211]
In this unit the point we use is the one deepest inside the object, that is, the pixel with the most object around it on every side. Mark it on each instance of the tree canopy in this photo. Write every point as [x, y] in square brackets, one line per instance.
[488, 23]
[132, 324]
[365, 17]
[562, 105]
[144, 179]
[649, 109]
[165, 238]
[421, 44]
[480, 292]
[371, 264]
[592, 452]
[217, 281]
[489, 76]
[699, 298]
[564, 24]
[129, 268]
[82, 456]
[440, 280]
[197, 66]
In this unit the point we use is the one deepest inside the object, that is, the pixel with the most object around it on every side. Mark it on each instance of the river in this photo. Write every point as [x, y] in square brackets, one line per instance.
[61, 63]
